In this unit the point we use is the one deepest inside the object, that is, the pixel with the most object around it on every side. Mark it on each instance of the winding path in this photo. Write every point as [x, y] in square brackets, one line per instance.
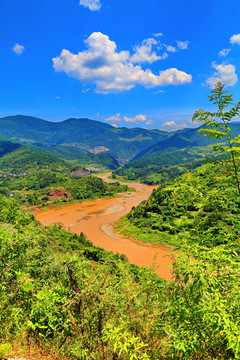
[95, 219]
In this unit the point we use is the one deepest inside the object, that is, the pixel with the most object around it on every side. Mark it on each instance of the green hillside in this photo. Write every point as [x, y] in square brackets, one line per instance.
[187, 148]
[18, 158]
[76, 156]
[60, 295]
[7, 146]
[182, 139]
[155, 169]
[202, 206]
[84, 134]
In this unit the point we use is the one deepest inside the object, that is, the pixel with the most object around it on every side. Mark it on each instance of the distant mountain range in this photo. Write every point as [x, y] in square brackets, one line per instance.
[80, 134]
[185, 149]
[188, 138]
[75, 140]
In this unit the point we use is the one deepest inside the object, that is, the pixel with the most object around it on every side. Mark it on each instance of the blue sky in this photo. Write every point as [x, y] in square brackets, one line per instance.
[124, 62]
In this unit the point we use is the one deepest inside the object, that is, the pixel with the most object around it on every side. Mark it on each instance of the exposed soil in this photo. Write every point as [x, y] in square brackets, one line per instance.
[57, 194]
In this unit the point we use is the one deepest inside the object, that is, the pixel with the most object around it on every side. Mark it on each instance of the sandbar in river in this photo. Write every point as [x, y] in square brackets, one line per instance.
[95, 219]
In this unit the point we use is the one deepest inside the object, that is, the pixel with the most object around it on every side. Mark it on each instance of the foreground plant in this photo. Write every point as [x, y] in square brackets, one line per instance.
[217, 126]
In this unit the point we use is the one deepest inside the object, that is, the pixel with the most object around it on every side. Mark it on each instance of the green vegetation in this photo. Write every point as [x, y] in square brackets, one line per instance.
[187, 148]
[16, 158]
[36, 187]
[204, 206]
[218, 126]
[157, 170]
[76, 156]
[201, 207]
[62, 294]
[83, 134]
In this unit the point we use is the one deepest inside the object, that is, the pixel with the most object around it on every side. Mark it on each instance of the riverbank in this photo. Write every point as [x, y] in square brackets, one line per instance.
[95, 218]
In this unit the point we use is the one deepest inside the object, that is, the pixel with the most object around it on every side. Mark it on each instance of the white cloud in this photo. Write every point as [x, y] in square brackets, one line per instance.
[172, 125]
[159, 92]
[224, 52]
[158, 34]
[169, 123]
[84, 91]
[57, 97]
[145, 53]
[114, 118]
[182, 45]
[137, 119]
[150, 122]
[18, 49]
[112, 71]
[235, 39]
[114, 125]
[170, 48]
[224, 73]
[91, 4]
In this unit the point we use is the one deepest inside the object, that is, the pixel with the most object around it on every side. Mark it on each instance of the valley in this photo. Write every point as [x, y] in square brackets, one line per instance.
[96, 218]
[119, 180]
[92, 268]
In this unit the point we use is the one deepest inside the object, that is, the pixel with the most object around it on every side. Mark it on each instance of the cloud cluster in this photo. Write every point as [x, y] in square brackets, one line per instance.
[226, 73]
[224, 52]
[150, 122]
[114, 71]
[114, 118]
[145, 53]
[170, 48]
[172, 125]
[93, 5]
[235, 39]
[158, 34]
[182, 45]
[135, 120]
[18, 49]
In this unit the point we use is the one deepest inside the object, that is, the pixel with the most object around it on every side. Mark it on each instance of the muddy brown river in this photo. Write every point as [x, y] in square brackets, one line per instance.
[95, 218]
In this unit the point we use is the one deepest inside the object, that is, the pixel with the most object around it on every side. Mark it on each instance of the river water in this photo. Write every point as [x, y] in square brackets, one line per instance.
[95, 219]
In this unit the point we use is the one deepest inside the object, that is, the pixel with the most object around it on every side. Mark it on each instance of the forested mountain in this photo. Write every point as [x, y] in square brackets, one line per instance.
[16, 157]
[201, 206]
[19, 158]
[76, 156]
[187, 148]
[62, 296]
[123, 143]
[182, 139]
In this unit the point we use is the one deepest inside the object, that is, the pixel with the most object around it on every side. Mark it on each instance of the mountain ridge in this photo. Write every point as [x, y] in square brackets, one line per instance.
[83, 133]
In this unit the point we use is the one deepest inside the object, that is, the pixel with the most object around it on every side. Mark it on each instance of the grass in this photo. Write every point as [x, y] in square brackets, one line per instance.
[154, 237]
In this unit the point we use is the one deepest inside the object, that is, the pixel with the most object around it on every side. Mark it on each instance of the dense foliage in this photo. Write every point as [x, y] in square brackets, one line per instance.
[76, 156]
[218, 127]
[157, 170]
[36, 187]
[202, 206]
[61, 293]
[16, 158]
